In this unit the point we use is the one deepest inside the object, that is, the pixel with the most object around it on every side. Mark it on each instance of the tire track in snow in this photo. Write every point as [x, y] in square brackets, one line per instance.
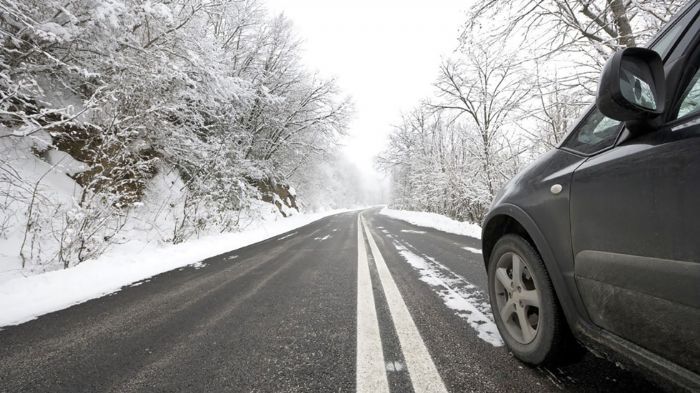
[458, 294]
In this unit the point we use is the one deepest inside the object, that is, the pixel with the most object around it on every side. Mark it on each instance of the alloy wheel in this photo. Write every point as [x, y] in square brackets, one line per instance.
[517, 297]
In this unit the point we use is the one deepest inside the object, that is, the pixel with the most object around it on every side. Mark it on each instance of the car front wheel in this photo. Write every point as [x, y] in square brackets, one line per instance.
[524, 304]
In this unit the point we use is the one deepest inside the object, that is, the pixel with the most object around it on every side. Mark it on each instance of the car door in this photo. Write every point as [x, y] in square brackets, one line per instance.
[635, 227]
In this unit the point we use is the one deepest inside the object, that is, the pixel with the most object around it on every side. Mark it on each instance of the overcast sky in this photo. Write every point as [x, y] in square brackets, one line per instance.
[384, 53]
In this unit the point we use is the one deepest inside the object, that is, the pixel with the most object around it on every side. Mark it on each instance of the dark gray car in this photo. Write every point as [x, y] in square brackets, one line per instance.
[599, 240]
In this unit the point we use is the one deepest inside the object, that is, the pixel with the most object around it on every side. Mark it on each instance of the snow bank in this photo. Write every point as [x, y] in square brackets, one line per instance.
[25, 298]
[436, 221]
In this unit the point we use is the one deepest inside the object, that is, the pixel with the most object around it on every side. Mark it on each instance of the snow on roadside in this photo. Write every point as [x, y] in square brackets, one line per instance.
[25, 298]
[473, 250]
[458, 294]
[436, 221]
[287, 236]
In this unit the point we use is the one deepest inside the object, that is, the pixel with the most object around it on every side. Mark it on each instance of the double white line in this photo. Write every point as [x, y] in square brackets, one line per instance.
[371, 369]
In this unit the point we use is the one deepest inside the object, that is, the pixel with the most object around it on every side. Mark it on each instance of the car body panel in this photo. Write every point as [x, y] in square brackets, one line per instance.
[529, 195]
[627, 217]
[622, 233]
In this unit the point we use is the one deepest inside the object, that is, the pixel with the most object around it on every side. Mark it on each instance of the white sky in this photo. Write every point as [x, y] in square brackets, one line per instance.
[384, 53]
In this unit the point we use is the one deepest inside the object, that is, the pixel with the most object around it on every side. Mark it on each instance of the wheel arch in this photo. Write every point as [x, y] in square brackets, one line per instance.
[498, 227]
[510, 219]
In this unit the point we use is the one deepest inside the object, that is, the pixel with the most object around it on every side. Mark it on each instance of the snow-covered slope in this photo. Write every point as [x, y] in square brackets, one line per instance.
[436, 221]
[35, 195]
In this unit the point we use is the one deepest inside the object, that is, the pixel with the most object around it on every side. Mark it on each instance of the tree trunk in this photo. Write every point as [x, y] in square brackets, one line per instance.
[622, 22]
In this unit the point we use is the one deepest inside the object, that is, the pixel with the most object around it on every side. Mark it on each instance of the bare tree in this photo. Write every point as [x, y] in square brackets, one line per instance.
[487, 89]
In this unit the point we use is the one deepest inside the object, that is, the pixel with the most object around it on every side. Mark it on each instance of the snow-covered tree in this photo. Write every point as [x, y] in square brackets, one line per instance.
[212, 91]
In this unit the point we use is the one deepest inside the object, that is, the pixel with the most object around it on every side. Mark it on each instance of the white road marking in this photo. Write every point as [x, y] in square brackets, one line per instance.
[412, 231]
[287, 236]
[472, 249]
[371, 373]
[322, 238]
[394, 366]
[422, 370]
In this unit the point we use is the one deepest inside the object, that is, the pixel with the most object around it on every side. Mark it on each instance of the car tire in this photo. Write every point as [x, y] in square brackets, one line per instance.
[548, 339]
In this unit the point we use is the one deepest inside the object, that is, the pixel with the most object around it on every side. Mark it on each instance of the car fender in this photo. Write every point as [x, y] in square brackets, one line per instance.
[573, 309]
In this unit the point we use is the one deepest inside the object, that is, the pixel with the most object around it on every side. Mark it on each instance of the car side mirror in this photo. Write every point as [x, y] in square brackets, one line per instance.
[632, 85]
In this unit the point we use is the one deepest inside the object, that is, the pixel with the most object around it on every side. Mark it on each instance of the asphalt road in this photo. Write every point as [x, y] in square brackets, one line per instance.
[283, 316]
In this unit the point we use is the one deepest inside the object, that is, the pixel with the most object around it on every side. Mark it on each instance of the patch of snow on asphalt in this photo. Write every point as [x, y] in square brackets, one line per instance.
[473, 250]
[394, 366]
[198, 265]
[287, 236]
[136, 284]
[436, 221]
[25, 298]
[458, 294]
[412, 231]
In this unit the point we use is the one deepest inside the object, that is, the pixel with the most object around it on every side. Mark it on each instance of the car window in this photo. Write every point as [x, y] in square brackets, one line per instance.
[691, 97]
[596, 132]
[670, 36]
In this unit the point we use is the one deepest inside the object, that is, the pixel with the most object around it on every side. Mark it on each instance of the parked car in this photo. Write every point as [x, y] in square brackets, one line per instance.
[599, 239]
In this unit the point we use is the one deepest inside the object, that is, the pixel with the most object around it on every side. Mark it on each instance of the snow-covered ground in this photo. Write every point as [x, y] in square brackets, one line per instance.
[436, 221]
[24, 298]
